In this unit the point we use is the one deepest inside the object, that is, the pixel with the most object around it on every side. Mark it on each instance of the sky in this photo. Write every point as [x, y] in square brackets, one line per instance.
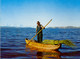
[26, 13]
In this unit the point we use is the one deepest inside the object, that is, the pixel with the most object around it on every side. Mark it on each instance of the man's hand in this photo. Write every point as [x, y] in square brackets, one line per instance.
[43, 27]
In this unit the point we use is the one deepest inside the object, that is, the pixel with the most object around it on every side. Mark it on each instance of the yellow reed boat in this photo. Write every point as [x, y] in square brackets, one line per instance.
[43, 47]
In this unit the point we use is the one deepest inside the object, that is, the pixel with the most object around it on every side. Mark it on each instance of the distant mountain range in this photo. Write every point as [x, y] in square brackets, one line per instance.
[66, 27]
[48, 27]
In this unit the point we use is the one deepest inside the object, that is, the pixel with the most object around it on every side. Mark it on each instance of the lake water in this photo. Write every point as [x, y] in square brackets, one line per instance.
[13, 45]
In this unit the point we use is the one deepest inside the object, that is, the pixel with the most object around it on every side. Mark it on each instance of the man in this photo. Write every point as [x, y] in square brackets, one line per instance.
[40, 35]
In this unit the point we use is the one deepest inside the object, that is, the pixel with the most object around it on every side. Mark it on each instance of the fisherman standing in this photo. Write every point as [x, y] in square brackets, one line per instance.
[40, 35]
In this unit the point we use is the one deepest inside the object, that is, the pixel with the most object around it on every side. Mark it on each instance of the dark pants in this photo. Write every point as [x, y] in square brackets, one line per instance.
[40, 37]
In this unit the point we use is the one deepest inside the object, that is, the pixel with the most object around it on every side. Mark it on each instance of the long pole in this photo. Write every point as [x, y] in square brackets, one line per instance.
[40, 31]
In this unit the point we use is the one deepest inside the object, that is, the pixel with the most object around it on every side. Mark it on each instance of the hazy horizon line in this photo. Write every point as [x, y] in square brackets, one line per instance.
[46, 27]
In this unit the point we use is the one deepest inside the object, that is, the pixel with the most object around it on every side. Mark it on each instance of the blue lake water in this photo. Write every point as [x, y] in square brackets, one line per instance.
[13, 45]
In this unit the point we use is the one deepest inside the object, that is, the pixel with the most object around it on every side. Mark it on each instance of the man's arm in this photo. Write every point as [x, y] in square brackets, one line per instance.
[42, 26]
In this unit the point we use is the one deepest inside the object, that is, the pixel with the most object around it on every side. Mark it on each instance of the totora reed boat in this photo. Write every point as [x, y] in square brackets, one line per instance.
[43, 47]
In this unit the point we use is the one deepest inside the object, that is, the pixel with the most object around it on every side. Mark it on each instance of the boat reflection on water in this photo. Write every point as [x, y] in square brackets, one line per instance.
[48, 55]
[40, 54]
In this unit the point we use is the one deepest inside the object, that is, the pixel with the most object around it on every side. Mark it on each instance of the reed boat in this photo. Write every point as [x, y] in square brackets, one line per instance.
[43, 47]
